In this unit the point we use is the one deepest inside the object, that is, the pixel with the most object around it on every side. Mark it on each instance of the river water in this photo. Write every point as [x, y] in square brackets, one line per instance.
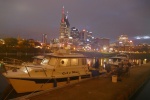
[143, 93]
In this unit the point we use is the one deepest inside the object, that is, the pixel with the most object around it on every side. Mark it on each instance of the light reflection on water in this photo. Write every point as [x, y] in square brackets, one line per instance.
[102, 61]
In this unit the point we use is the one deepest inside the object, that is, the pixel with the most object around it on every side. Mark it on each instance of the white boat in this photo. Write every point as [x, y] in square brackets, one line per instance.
[116, 60]
[123, 55]
[56, 69]
[38, 59]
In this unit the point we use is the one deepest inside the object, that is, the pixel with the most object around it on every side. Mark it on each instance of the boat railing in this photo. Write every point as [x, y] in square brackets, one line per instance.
[13, 61]
[56, 64]
[44, 72]
[27, 71]
[3, 68]
[85, 69]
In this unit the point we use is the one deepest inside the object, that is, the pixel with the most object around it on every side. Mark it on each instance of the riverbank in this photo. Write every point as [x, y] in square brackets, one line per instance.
[98, 88]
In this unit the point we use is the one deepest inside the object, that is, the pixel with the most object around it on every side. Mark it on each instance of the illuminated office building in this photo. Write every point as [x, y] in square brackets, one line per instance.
[64, 27]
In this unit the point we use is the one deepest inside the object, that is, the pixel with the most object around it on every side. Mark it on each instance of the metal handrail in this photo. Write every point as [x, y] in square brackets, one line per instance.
[12, 60]
[85, 69]
[54, 67]
[44, 72]
[28, 71]
[6, 97]
[2, 65]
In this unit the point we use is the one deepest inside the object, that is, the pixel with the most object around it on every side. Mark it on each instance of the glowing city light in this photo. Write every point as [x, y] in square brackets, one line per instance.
[84, 30]
[146, 37]
[142, 37]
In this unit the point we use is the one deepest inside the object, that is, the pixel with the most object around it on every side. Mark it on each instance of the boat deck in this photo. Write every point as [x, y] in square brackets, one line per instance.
[97, 88]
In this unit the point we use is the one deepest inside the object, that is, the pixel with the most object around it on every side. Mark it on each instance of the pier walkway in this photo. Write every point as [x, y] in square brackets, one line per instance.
[97, 88]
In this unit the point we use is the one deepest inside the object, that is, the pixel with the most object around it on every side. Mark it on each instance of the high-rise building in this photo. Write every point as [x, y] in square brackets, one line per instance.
[44, 38]
[64, 27]
[74, 33]
[99, 43]
[83, 35]
[104, 42]
[123, 40]
[89, 37]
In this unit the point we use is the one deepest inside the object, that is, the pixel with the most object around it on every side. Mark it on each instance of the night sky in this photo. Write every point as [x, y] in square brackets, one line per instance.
[105, 18]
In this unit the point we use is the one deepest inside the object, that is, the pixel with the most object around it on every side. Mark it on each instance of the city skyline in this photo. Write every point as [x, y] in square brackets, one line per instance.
[105, 18]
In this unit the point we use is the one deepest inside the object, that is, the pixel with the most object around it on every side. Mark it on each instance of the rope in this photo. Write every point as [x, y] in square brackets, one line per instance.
[43, 83]
[8, 94]
[39, 87]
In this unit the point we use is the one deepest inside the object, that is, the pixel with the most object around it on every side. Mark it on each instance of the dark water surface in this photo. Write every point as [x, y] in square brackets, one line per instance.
[143, 93]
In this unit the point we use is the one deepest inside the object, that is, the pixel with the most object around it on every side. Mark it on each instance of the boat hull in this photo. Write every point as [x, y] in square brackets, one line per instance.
[32, 85]
[22, 86]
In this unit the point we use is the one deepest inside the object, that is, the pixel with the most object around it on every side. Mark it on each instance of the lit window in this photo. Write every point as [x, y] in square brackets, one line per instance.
[45, 61]
[63, 62]
[52, 61]
[74, 62]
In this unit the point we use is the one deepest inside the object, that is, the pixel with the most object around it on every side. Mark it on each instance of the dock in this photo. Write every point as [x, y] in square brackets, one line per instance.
[97, 88]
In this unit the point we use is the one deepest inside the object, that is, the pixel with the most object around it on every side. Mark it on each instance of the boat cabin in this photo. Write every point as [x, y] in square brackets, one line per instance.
[64, 60]
[122, 55]
[54, 70]
[117, 60]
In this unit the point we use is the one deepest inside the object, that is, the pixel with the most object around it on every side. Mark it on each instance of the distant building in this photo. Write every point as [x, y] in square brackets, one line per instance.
[104, 42]
[83, 35]
[64, 27]
[123, 40]
[89, 36]
[100, 43]
[75, 33]
[44, 39]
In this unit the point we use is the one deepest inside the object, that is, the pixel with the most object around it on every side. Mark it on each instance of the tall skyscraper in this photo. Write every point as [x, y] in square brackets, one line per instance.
[104, 42]
[83, 35]
[74, 33]
[64, 27]
[89, 37]
[123, 40]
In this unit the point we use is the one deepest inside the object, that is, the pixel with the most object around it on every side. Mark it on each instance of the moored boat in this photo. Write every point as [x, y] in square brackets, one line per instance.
[117, 60]
[123, 55]
[11, 63]
[55, 69]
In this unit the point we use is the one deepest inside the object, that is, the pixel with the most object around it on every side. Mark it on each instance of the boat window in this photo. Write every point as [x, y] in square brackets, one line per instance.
[119, 60]
[37, 61]
[64, 62]
[74, 62]
[52, 61]
[113, 60]
[45, 61]
[82, 61]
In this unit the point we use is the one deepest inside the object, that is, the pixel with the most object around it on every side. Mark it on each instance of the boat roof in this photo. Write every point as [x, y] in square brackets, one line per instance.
[117, 57]
[66, 55]
[122, 54]
[38, 57]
